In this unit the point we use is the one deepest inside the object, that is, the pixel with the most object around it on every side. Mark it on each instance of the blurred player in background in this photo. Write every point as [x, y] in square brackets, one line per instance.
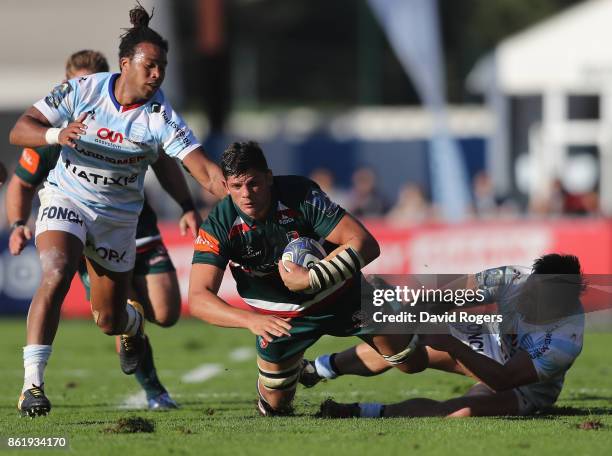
[519, 366]
[2, 174]
[116, 125]
[292, 308]
[154, 281]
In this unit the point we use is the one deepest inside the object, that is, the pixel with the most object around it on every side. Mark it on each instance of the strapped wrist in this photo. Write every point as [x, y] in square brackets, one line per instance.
[327, 273]
[52, 135]
[187, 205]
[17, 224]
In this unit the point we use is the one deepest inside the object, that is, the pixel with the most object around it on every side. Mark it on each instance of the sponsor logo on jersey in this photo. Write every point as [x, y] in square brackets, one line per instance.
[117, 161]
[263, 343]
[206, 242]
[250, 252]
[181, 133]
[29, 160]
[110, 135]
[99, 179]
[61, 213]
[155, 107]
[57, 95]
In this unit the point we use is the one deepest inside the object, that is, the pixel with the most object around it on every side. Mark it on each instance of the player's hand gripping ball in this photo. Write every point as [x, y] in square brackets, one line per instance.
[303, 251]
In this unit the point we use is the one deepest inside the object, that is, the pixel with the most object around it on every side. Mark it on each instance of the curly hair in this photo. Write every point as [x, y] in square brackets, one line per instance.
[140, 33]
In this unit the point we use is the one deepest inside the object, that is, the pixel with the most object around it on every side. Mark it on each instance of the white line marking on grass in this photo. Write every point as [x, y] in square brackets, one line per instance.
[242, 354]
[134, 401]
[198, 375]
[202, 373]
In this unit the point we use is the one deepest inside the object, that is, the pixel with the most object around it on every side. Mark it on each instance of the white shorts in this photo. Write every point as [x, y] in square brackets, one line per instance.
[109, 243]
[489, 345]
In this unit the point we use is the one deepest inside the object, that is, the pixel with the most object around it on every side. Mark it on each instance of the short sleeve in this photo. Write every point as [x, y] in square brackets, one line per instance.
[321, 211]
[177, 139]
[58, 107]
[209, 247]
[34, 164]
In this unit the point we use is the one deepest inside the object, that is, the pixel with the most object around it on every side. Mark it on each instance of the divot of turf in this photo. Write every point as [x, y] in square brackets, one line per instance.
[131, 425]
[591, 425]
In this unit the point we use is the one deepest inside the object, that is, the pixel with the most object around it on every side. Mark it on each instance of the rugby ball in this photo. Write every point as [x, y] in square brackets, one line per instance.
[303, 251]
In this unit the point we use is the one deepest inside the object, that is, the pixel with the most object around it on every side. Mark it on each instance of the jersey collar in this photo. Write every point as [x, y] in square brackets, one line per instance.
[111, 93]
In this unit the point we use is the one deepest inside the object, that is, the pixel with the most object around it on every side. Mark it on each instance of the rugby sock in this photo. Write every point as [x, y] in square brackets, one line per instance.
[134, 321]
[324, 366]
[35, 359]
[146, 375]
[370, 410]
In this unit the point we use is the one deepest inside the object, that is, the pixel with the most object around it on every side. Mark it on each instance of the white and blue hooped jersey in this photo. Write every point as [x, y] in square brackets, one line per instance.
[105, 171]
[553, 347]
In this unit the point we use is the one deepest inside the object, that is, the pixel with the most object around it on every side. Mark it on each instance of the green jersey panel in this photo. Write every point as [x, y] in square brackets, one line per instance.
[35, 164]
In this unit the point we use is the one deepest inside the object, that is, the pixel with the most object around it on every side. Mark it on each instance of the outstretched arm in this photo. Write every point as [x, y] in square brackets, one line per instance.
[204, 304]
[173, 182]
[519, 370]
[206, 172]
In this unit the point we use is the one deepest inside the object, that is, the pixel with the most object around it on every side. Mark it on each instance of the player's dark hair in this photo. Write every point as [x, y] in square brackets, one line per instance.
[555, 263]
[92, 61]
[139, 33]
[239, 157]
[556, 285]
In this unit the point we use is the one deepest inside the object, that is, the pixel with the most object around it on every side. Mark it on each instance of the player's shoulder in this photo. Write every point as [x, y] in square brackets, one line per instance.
[294, 189]
[95, 83]
[221, 218]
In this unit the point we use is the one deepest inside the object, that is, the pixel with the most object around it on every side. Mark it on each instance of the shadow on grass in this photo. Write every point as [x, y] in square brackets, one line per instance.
[554, 412]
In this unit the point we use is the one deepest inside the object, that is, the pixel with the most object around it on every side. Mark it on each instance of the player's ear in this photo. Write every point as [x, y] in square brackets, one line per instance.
[269, 178]
[123, 63]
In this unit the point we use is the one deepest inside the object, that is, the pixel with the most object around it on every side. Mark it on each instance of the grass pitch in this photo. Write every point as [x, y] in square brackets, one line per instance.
[212, 373]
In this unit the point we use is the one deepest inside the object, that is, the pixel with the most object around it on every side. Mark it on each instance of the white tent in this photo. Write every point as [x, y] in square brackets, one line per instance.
[567, 54]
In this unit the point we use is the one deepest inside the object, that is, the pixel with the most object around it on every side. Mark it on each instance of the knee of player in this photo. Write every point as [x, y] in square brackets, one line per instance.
[416, 362]
[106, 322]
[56, 270]
[167, 318]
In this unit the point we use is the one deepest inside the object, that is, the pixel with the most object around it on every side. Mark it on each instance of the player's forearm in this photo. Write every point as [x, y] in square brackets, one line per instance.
[19, 196]
[208, 307]
[173, 182]
[206, 172]
[28, 132]
[485, 369]
[367, 248]
[350, 232]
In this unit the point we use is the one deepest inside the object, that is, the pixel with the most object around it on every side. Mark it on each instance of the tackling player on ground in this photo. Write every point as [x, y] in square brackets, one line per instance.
[519, 366]
[116, 125]
[155, 284]
[249, 229]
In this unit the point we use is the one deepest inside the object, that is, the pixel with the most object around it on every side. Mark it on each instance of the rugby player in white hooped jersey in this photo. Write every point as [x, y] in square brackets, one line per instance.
[519, 365]
[91, 201]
